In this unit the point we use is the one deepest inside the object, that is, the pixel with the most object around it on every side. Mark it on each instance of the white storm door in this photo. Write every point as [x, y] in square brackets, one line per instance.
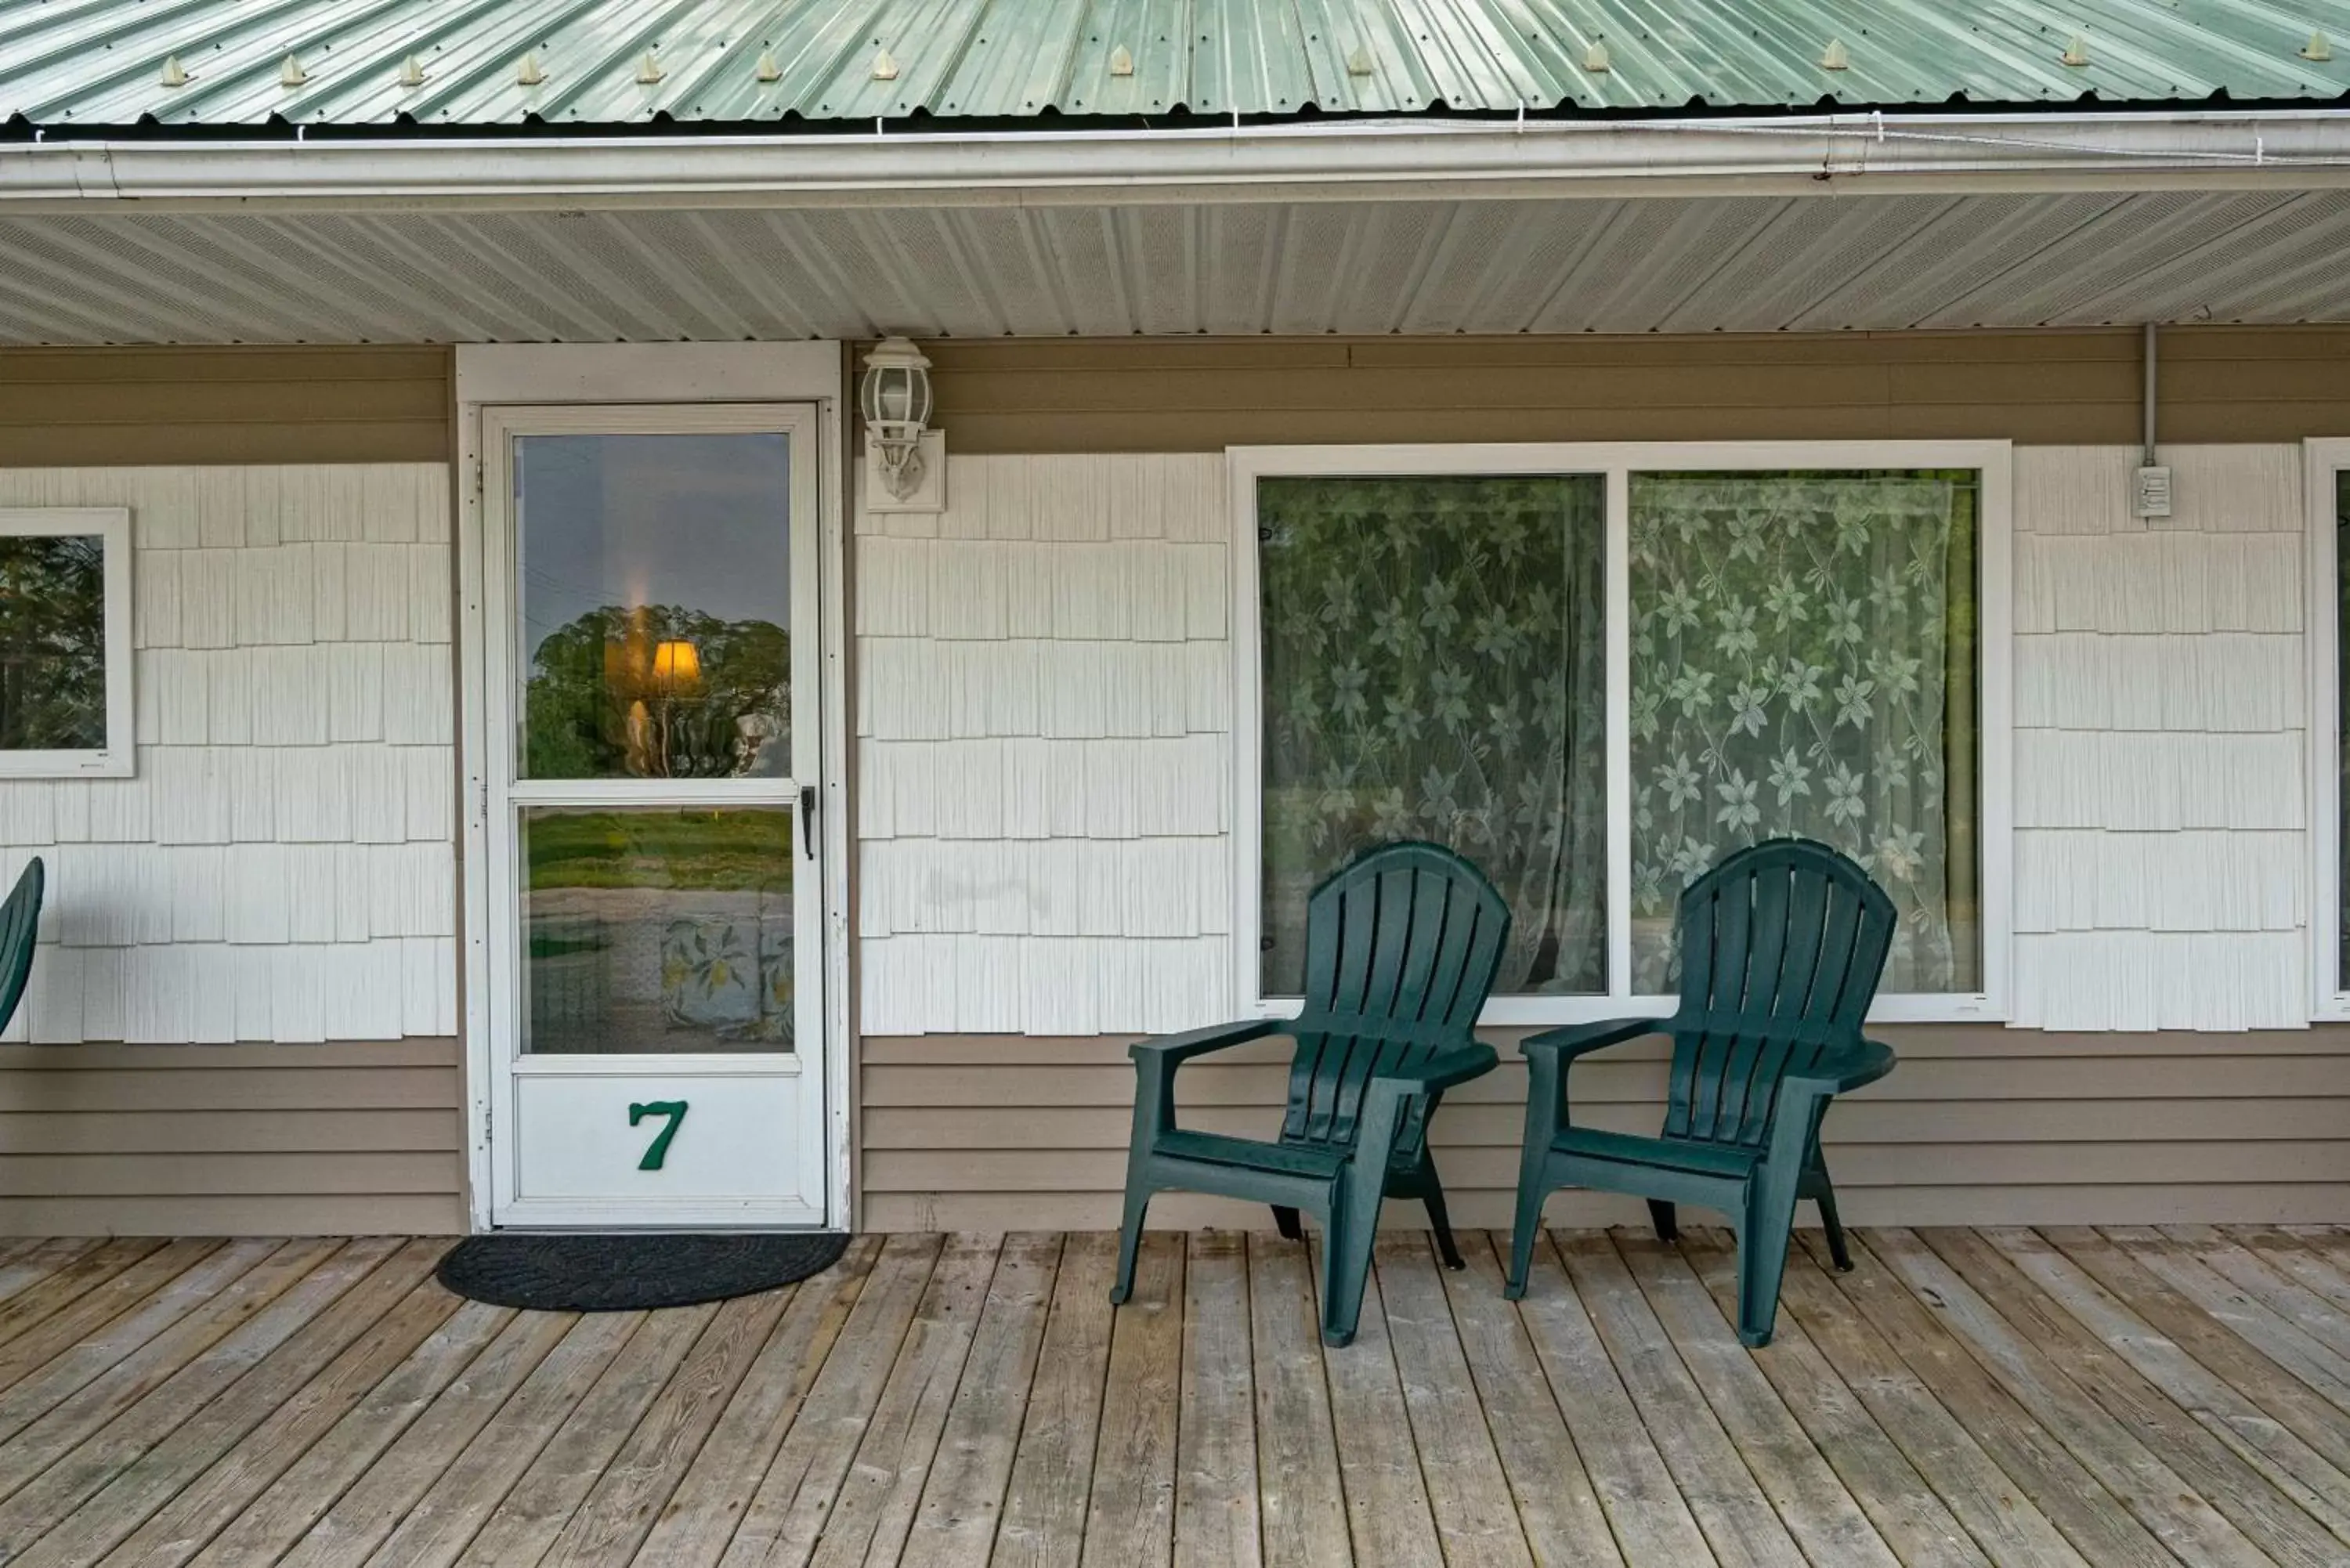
[652, 599]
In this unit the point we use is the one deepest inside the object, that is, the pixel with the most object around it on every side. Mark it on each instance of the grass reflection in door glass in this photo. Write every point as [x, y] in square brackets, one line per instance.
[657, 930]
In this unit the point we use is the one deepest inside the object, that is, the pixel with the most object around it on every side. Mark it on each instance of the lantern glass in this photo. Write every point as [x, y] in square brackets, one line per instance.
[896, 385]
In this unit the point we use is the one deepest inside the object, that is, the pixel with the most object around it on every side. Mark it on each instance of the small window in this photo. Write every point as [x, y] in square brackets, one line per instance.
[65, 643]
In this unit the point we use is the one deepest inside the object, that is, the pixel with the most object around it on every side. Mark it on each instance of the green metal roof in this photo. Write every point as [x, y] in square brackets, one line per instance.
[362, 63]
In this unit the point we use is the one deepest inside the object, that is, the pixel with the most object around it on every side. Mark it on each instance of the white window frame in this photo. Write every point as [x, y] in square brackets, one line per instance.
[2321, 461]
[118, 759]
[1616, 461]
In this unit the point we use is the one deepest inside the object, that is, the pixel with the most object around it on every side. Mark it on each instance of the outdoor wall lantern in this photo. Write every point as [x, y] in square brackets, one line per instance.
[905, 453]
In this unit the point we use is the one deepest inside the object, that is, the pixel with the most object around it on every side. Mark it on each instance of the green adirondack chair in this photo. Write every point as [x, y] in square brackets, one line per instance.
[1400, 949]
[20, 921]
[1782, 947]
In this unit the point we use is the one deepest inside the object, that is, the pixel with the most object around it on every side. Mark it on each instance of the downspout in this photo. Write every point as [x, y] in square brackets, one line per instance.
[2150, 486]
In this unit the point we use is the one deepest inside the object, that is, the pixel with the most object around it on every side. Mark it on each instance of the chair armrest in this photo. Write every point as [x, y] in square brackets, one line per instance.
[1455, 1067]
[1581, 1039]
[1845, 1070]
[1172, 1050]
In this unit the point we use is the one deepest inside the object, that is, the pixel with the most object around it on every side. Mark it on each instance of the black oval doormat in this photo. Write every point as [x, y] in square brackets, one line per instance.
[633, 1270]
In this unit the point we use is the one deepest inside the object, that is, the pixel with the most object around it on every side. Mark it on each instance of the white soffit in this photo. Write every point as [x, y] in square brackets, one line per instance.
[1696, 263]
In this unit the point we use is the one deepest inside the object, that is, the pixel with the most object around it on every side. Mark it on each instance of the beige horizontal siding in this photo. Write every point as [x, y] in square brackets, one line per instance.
[213, 1139]
[2062, 388]
[1978, 1125]
[97, 407]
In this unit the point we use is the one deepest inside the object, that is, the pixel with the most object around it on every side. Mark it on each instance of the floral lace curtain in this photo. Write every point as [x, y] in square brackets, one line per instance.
[1435, 668]
[1803, 662]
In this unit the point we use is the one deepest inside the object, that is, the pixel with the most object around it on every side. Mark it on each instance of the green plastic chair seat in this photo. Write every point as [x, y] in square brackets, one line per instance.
[1667, 1153]
[1319, 1161]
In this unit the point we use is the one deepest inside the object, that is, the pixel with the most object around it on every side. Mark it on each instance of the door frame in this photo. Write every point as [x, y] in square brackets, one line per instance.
[491, 375]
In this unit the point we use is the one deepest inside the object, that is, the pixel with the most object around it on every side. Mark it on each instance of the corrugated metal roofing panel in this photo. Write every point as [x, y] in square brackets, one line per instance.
[67, 62]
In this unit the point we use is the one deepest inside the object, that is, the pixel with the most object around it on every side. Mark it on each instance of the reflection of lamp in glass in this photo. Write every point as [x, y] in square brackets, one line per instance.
[676, 671]
[677, 663]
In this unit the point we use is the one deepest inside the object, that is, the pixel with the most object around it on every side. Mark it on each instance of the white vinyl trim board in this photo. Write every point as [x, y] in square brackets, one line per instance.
[2322, 636]
[1616, 461]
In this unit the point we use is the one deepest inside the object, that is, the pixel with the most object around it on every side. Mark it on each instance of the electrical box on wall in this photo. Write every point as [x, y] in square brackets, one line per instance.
[919, 487]
[2150, 493]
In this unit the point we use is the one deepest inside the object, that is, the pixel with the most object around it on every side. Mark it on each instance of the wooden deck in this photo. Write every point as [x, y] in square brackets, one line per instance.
[2081, 1397]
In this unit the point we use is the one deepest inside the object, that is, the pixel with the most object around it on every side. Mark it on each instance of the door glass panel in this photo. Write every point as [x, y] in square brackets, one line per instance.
[656, 606]
[652, 930]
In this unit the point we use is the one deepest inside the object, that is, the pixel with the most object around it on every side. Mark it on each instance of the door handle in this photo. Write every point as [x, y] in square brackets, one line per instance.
[807, 820]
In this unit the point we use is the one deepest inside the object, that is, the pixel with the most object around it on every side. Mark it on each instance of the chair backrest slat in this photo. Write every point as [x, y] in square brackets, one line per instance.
[1782, 947]
[20, 921]
[1401, 948]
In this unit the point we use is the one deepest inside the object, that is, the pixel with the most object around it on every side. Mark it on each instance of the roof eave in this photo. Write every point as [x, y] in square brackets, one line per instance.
[1358, 160]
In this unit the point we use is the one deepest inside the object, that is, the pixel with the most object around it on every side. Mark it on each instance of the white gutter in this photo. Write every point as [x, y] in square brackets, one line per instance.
[1390, 160]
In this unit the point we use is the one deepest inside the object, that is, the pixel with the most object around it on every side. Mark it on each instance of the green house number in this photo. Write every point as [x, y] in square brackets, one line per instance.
[657, 1151]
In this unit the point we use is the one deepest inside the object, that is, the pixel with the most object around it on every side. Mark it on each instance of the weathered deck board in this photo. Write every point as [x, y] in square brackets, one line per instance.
[1475, 1513]
[1216, 1519]
[1557, 1506]
[108, 1485]
[2110, 1449]
[1131, 1521]
[1044, 1502]
[787, 1512]
[1301, 1507]
[1880, 1478]
[1820, 1513]
[2319, 1488]
[1651, 1520]
[1387, 1511]
[693, 1530]
[346, 1530]
[964, 1500]
[2053, 1399]
[2217, 1472]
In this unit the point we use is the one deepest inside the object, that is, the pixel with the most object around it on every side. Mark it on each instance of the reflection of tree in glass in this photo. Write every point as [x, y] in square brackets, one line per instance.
[659, 691]
[52, 643]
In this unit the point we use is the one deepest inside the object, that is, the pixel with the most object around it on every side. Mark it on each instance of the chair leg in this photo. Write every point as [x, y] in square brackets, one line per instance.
[1347, 1265]
[1431, 1193]
[1665, 1217]
[1129, 1239]
[1285, 1219]
[1532, 1193]
[1763, 1232]
[1824, 1195]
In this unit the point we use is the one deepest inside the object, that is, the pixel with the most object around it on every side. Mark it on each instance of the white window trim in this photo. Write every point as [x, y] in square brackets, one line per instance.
[118, 757]
[2321, 460]
[1617, 462]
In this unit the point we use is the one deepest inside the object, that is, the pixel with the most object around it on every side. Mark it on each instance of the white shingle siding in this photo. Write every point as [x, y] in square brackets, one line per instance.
[1044, 749]
[282, 867]
[2162, 845]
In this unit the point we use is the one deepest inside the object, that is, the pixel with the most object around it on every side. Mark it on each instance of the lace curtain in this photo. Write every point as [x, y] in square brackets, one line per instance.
[1434, 667]
[1803, 662]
